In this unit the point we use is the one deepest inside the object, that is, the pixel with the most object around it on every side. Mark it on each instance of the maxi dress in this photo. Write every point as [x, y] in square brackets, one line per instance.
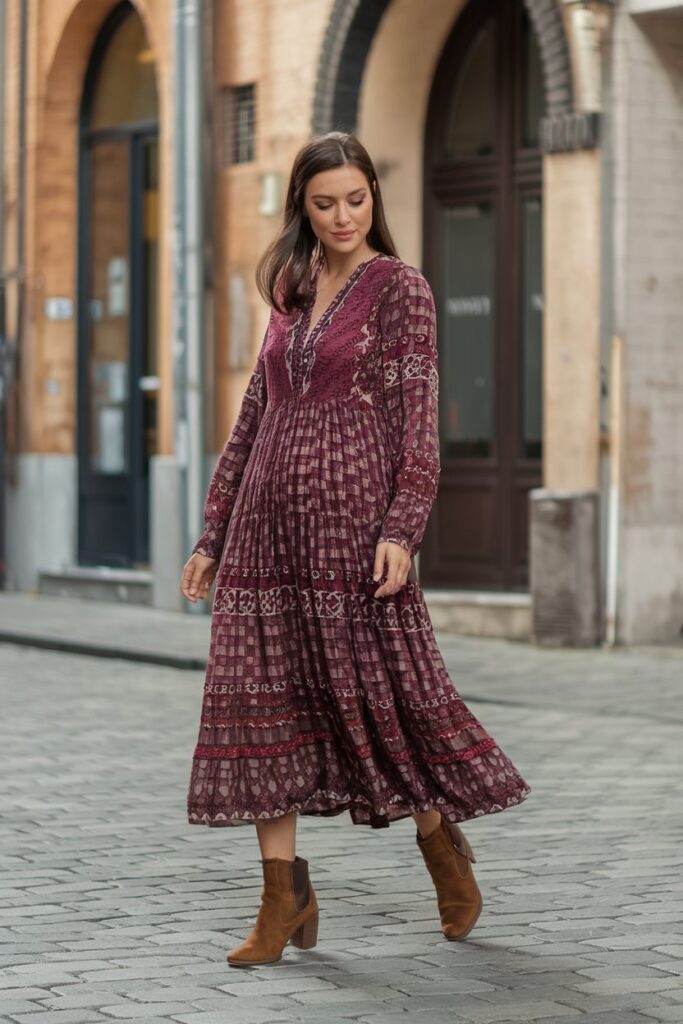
[318, 696]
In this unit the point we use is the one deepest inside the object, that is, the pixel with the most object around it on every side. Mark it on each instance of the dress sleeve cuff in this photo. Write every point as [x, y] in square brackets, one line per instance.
[208, 548]
[396, 540]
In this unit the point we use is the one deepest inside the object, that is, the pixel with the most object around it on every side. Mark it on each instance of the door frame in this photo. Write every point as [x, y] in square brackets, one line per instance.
[502, 179]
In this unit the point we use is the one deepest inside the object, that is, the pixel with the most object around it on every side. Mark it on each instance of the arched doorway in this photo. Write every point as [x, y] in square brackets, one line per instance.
[483, 257]
[117, 294]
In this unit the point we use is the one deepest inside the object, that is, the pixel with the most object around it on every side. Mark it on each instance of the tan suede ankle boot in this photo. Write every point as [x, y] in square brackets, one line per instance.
[449, 858]
[288, 913]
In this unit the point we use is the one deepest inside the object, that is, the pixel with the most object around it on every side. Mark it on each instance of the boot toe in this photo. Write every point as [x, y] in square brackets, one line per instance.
[241, 957]
[461, 929]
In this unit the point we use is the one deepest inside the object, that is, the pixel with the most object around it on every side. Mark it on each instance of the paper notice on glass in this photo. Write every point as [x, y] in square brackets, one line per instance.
[111, 435]
[117, 286]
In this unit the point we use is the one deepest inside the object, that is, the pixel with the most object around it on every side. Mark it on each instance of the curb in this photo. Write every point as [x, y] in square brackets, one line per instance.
[49, 643]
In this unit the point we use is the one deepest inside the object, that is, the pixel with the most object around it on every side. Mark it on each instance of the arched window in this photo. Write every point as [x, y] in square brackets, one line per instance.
[124, 89]
[471, 118]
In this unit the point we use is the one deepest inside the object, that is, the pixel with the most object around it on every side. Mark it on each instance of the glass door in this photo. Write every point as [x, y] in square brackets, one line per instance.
[144, 368]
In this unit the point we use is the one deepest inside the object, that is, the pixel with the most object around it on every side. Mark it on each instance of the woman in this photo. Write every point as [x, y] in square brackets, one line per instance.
[325, 690]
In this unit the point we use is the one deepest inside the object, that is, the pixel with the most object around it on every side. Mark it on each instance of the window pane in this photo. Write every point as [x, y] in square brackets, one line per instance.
[108, 307]
[471, 122]
[125, 90]
[534, 87]
[532, 329]
[243, 124]
[466, 359]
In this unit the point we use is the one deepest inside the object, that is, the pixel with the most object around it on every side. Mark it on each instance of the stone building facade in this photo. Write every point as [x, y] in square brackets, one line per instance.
[527, 152]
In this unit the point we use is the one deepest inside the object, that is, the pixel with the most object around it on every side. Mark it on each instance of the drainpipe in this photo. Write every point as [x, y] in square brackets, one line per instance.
[188, 270]
[4, 356]
[10, 353]
[614, 494]
[587, 26]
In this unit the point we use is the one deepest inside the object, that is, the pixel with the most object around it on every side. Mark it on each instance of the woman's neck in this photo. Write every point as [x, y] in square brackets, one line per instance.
[338, 265]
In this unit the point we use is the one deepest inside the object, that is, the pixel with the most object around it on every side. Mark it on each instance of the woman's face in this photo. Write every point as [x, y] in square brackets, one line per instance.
[339, 205]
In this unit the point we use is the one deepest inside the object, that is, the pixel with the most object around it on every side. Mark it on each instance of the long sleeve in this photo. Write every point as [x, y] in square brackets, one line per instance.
[411, 390]
[227, 475]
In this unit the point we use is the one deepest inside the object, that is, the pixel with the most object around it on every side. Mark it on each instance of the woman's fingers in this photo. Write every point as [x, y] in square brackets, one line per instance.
[197, 577]
[190, 582]
[398, 565]
[380, 556]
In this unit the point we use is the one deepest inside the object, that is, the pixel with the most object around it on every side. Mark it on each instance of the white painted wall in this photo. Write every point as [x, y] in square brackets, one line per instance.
[653, 6]
[41, 518]
[647, 123]
[393, 106]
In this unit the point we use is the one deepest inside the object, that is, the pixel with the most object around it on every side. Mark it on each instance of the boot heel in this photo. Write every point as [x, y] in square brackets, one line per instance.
[460, 840]
[306, 936]
[469, 851]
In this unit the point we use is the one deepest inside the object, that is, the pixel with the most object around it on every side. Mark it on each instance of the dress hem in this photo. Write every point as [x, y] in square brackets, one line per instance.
[362, 814]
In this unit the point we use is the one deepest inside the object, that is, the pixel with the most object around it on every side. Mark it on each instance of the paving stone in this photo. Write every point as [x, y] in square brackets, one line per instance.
[139, 1011]
[607, 986]
[599, 1018]
[346, 1009]
[78, 999]
[59, 1017]
[256, 988]
[33, 974]
[231, 1015]
[14, 1006]
[613, 1002]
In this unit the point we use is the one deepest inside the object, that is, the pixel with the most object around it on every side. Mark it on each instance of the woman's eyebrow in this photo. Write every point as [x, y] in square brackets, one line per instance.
[321, 195]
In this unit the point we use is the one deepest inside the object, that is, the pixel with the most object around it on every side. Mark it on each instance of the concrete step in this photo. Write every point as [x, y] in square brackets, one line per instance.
[99, 583]
[506, 615]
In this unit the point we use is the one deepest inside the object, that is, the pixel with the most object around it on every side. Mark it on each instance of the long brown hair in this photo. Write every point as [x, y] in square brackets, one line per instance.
[285, 270]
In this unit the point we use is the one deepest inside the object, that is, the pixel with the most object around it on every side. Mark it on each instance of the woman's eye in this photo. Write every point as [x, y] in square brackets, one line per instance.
[352, 202]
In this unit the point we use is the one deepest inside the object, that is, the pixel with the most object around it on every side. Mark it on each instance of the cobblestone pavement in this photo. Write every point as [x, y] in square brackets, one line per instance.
[113, 907]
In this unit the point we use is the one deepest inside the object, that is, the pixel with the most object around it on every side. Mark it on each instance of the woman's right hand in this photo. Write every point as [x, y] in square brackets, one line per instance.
[198, 575]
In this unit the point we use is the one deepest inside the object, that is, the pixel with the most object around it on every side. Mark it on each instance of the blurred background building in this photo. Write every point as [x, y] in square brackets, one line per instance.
[529, 155]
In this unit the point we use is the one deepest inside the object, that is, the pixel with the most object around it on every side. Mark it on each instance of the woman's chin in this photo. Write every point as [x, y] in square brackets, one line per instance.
[347, 246]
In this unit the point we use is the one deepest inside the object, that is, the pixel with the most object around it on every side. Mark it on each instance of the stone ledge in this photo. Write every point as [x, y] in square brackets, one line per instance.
[481, 613]
[98, 583]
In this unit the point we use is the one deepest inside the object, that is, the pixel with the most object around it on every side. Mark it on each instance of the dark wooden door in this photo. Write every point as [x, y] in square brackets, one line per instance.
[483, 258]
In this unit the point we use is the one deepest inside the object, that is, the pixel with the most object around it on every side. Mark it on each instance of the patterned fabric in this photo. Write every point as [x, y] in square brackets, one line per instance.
[319, 697]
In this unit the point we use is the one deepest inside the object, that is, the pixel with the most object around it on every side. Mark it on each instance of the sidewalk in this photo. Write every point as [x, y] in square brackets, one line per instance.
[101, 628]
[593, 679]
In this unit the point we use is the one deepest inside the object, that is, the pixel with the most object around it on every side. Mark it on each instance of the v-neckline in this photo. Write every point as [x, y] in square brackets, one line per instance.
[336, 298]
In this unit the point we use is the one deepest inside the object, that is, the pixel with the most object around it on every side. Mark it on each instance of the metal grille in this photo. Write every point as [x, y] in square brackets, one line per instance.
[238, 117]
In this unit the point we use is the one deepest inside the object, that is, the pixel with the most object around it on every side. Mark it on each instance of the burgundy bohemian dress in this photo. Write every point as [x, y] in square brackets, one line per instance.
[320, 697]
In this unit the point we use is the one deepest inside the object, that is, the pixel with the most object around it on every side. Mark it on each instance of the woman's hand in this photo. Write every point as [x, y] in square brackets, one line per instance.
[198, 575]
[398, 567]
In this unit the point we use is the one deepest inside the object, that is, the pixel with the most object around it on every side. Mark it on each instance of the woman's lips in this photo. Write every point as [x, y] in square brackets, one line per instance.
[342, 234]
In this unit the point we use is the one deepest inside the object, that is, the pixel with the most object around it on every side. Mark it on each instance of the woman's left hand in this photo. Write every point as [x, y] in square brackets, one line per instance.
[397, 560]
